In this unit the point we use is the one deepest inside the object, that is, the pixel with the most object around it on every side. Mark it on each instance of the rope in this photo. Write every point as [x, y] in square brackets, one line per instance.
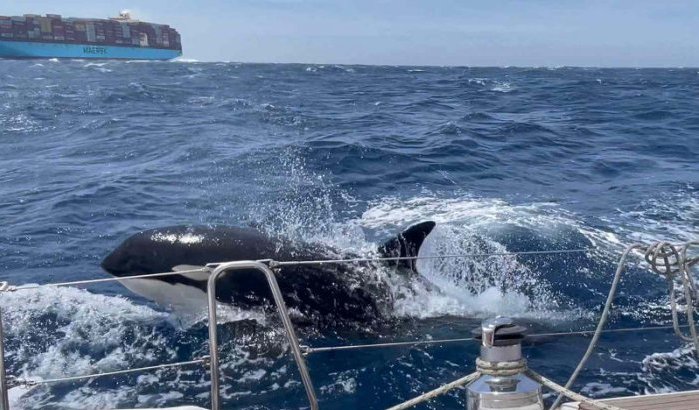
[500, 369]
[436, 392]
[673, 264]
[31, 383]
[690, 294]
[488, 368]
[562, 391]
[600, 325]
[504, 369]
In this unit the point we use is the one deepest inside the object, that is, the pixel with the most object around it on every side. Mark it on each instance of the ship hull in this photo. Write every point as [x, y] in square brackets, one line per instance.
[26, 49]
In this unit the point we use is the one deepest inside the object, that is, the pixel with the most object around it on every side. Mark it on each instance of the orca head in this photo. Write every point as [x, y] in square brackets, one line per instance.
[120, 262]
[406, 244]
[140, 254]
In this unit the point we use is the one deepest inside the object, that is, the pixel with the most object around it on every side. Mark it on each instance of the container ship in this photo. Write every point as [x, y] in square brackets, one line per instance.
[52, 36]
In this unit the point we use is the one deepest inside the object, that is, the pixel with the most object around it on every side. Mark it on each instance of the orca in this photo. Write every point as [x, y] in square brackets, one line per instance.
[331, 294]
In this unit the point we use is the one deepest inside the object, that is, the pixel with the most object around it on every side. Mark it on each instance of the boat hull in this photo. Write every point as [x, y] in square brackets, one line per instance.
[27, 49]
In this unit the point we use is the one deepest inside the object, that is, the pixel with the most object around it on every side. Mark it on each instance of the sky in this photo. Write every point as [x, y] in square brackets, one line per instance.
[622, 33]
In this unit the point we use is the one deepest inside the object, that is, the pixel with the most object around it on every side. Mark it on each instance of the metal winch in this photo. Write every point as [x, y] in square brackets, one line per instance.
[503, 384]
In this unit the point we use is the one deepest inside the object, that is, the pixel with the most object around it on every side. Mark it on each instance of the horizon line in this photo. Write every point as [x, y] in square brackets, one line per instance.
[194, 60]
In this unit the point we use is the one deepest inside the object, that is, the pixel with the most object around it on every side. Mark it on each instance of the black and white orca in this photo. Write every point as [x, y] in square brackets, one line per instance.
[328, 293]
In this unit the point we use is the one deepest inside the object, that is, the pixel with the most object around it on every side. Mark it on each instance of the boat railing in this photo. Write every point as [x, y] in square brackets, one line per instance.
[669, 260]
[224, 268]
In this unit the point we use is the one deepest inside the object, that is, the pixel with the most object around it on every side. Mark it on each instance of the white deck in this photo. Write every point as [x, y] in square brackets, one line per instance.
[669, 401]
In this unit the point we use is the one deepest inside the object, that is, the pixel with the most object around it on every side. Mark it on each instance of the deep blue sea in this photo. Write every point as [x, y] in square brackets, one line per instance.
[503, 159]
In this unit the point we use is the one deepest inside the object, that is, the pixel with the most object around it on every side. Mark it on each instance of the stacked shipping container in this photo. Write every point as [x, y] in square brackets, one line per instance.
[54, 29]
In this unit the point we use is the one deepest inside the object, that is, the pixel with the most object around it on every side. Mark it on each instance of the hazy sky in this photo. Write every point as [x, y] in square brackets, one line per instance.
[410, 32]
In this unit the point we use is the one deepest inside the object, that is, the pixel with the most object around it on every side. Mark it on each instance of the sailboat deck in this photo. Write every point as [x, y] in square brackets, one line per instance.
[667, 401]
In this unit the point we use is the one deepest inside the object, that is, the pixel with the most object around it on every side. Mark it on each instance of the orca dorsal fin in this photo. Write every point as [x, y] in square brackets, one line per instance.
[406, 244]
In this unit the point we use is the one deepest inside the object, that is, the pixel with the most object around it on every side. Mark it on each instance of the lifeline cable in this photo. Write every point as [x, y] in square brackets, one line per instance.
[28, 382]
[5, 286]
[312, 350]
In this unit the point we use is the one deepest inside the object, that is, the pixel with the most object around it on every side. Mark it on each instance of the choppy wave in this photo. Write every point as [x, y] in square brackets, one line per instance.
[479, 286]
[57, 332]
[670, 215]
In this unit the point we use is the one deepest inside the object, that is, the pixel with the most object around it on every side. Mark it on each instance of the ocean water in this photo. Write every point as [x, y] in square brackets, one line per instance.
[503, 159]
